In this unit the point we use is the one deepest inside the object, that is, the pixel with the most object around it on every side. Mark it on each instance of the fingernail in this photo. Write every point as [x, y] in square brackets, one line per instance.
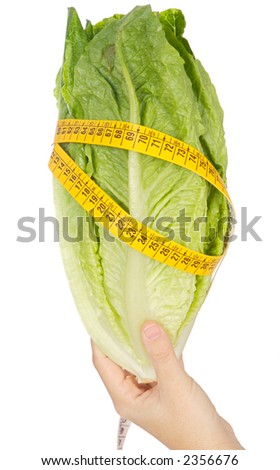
[152, 331]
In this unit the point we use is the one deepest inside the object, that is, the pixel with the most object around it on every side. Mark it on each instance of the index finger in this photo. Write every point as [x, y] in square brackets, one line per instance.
[113, 376]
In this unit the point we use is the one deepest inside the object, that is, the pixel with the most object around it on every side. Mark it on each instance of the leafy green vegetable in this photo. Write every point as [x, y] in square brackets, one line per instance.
[139, 68]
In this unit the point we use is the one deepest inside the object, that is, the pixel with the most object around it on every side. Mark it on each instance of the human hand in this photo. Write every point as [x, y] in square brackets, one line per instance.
[174, 409]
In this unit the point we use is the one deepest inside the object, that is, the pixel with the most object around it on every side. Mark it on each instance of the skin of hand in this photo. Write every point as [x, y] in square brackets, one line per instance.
[174, 409]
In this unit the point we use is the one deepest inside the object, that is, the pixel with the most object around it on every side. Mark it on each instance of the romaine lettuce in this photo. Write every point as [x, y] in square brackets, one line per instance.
[139, 68]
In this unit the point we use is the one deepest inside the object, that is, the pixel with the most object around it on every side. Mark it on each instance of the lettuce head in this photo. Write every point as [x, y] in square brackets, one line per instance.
[139, 68]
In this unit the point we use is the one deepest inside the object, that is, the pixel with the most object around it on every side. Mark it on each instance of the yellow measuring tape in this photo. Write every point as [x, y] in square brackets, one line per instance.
[105, 210]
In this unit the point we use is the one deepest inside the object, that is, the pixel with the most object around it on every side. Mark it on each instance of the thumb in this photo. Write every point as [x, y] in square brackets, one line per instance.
[161, 353]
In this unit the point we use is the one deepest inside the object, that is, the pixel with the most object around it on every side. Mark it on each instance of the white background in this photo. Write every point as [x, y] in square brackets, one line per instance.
[52, 401]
